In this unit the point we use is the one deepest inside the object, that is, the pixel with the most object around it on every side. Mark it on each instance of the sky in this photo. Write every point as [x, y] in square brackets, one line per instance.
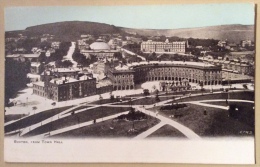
[149, 16]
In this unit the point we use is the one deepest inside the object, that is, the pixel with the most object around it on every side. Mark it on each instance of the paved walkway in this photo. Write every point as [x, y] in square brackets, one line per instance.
[150, 131]
[77, 126]
[209, 105]
[132, 53]
[183, 129]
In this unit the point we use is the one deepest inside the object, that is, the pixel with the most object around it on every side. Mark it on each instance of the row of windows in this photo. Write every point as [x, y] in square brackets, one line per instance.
[38, 92]
[124, 76]
[163, 46]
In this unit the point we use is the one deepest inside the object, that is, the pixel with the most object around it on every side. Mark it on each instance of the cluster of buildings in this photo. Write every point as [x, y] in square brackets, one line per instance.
[100, 49]
[47, 37]
[66, 84]
[233, 46]
[161, 47]
[234, 65]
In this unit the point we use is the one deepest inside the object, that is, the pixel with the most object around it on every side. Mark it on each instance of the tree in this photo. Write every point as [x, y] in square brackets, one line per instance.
[34, 108]
[118, 55]
[42, 57]
[112, 97]
[15, 77]
[146, 92]
[63, 64]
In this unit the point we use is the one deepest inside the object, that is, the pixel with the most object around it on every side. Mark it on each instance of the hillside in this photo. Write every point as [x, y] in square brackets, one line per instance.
[233, 33]
[71, 31]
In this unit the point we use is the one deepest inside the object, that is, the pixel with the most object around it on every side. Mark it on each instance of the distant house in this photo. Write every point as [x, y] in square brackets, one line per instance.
[222, 43]
[82, 45]
[36, 68]
[55, 45]
[245, 43]
[199, 47]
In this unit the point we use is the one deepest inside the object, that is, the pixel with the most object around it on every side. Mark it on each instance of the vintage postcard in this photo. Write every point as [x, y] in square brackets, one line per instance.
[138, 84]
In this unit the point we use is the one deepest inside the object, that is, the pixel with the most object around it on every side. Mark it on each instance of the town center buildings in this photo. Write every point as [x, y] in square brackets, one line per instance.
[61, 85]
[125, 77]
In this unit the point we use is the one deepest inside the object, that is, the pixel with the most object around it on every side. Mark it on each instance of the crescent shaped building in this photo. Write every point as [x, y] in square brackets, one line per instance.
[125, 77]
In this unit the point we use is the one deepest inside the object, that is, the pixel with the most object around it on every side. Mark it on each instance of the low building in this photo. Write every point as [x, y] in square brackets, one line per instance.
[104, 86]
[100, 67]
[82, 45]
[245, 43]
[36, 68]
[55, 45]
[222, 43]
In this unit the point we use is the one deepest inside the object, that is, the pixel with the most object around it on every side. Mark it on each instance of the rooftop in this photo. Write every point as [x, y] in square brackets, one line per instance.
[40, 83]
[103, 83]
[129, 66]
[23, 55]
[100, 45]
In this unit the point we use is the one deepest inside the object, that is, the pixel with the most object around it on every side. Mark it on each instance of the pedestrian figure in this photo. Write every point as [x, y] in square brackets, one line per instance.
[94, 121]
[205, 112]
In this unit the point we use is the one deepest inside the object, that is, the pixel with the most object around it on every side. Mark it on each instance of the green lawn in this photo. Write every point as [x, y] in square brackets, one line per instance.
[215, 123]
[12, 117]
[84, 116]
[78, 108]
[33, 119]
[247, 113]
[167, 131]
[112, 129]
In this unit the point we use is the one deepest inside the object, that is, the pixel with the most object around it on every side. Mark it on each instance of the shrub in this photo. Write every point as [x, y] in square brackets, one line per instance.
[175, 106]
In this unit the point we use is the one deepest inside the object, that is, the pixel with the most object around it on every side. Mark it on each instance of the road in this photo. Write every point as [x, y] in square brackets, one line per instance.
[132, 53]
[70, 53]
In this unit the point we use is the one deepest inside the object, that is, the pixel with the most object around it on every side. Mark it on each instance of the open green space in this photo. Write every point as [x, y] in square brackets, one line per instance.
[33, 119]
[77, 118]
[246, 111]
[244, 95]
[112, 129]
[167, 131]
[13, 117]
[216, 122]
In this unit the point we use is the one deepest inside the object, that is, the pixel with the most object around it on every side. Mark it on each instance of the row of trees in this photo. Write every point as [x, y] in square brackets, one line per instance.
[57, 55]
[83, 60]
[15, 77]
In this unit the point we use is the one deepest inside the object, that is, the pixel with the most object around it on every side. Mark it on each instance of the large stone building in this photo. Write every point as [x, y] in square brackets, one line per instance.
[162, 47]
[125, 77]
[234, 65]
[65, 88]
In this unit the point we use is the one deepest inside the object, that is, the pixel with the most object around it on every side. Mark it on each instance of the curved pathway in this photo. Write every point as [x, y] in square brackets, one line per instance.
[70, 53]
[164, 120]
